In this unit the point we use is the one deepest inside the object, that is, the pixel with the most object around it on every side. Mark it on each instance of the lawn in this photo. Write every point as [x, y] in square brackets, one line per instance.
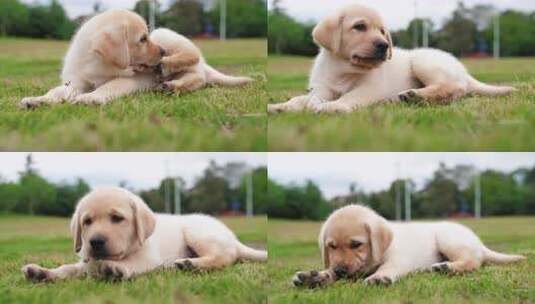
[46, 240]
[293, 247]
[470, 124]
[213, 119]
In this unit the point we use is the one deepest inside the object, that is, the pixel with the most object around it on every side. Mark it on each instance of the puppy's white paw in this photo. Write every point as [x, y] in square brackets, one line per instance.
[185, 265]
[112, 271]
[311, 279]
[90, 99]
[331, 107]
[409, 96]
[443, 267]
[29, 103]
[276, 108]
[379, 279]
[36, 273]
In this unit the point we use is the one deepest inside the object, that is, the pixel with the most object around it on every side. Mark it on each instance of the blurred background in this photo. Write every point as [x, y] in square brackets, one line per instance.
[213, 183]
[467, 28]
[402, 186]
[58, 19]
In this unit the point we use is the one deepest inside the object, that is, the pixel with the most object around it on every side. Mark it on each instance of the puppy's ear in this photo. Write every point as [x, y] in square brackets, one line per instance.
[112, 47]
[323, 247]
[329, 32]
[380, 236]
[390, 44]
[144, 219]
[76, 230]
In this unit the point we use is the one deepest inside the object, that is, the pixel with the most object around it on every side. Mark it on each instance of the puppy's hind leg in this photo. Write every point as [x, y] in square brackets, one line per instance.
[461, 259]
[434, 94]
[187, 83]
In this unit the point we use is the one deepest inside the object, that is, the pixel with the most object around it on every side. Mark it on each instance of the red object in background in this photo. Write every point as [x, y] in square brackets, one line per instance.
[460, 215]
[232, 213]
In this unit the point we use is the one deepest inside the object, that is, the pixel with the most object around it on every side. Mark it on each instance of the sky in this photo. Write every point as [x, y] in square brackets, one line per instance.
[396, 13]
[76, 8]
[334, 172]
[140, 170]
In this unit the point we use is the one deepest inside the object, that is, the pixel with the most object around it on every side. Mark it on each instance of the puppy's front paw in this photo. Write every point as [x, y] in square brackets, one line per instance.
[185, 265]
[311, 279]
[29, 103]
[331, 107]
[409, 96]
[275, 108]
[36, 273]
[112, 271]
[379, 279]
[443, 267]
[90, 99]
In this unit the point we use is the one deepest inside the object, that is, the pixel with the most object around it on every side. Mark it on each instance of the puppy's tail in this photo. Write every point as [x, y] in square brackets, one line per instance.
[213, 76]
[501, 258]
[478, 87]
[247, 253]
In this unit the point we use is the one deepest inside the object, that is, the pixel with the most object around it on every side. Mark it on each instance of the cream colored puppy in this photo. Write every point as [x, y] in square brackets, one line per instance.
[117, 237]
[184, 69]
[357, 242]
[101, 61]
[357, 66]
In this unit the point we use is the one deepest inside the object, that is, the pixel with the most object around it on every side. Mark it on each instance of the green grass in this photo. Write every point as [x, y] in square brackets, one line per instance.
[46, 241]
[470, 124]
[213, 119]
[293, 247]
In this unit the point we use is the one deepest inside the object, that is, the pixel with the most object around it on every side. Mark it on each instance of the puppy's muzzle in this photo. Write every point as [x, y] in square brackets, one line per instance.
[341, 271]
[381, 49]
[98, 247]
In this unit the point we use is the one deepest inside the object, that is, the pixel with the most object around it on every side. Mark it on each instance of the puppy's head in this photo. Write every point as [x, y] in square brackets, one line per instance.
[353, 240]
[124, 41]
[110, 223]
[357, 34]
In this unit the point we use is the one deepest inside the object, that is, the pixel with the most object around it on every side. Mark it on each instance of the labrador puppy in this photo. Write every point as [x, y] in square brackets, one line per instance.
[118, 237]
[102, 60]
[357, 242]
[357, 66]
[184, 69]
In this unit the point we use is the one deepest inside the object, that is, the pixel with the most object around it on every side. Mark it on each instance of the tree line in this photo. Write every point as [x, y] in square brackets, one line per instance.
[245, 18]
[447, 193]
[469, 31]
[211, 193]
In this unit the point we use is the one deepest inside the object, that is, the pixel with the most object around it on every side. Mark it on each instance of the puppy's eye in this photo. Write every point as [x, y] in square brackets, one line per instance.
[383, 31]
[332, 246]
[361, 27]
[143, 39]
[87, 222]
[354, 244]
[116, 218]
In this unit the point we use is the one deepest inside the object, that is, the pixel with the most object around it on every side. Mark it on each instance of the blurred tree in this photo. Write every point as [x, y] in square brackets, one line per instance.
[13, 17]
[184, 16]
[289, 36]
[260, 198]
[245, 18]
[458, 35]
[142, 7]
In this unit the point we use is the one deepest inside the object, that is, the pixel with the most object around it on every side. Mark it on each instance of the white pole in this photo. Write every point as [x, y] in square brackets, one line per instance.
[497, 36]
[249, 189]
[407, 200]
[415, 26]
[178, 202]
[398, 194]
[425, 33]
[223, 20]
[152, 15]
[477, 203]
[167, 191]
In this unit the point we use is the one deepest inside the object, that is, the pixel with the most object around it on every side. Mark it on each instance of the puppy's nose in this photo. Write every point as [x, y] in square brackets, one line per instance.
[380, 48]
[340, 271]
[97, 243]
[162, 52]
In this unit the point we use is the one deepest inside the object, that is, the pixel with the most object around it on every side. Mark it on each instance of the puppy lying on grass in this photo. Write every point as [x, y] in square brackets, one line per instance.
[357, 242]
[183, 68]
[118, 237]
